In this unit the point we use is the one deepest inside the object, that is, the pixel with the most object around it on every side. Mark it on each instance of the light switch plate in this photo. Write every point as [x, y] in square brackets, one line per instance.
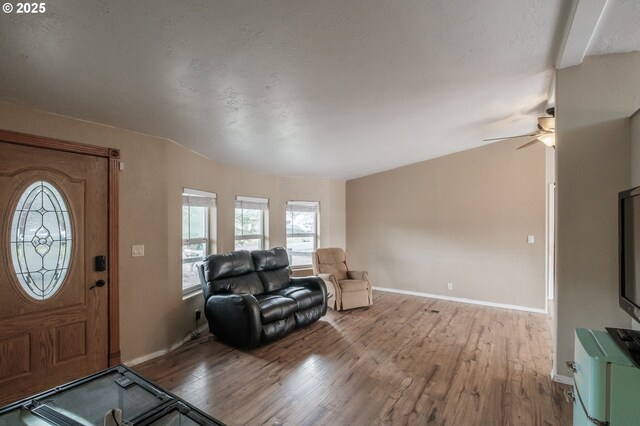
[531, 239]
[137, 251]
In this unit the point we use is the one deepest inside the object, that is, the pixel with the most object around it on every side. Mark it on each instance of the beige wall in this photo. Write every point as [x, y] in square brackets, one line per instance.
[594, 101]
[462, 219]
[153, 314]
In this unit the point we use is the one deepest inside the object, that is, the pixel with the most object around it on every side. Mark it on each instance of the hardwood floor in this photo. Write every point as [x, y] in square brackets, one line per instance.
[405, 360]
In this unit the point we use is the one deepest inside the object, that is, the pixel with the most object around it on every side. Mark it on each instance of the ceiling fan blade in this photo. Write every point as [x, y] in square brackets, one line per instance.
[512, 137]
[528, 144]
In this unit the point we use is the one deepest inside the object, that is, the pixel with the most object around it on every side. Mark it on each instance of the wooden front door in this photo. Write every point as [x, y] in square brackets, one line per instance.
[54, 300]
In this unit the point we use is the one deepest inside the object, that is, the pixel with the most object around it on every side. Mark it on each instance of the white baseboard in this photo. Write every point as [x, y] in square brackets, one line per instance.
[463, 300]
[559, 378]
[202, 329]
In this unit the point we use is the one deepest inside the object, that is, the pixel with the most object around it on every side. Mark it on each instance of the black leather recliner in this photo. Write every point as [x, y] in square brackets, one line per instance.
[251, 298]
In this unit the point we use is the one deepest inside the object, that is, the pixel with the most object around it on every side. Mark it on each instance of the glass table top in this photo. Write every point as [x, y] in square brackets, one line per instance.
[87, 401]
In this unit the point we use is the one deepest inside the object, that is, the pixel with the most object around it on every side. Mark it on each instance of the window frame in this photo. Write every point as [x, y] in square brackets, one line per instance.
[309, 206]
[262, 205]
[209, 238]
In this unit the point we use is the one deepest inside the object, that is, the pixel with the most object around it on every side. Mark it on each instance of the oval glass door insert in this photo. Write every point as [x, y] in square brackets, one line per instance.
[41, 240]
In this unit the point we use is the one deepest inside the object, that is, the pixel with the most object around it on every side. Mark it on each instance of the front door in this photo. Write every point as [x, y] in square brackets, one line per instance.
[54, 302]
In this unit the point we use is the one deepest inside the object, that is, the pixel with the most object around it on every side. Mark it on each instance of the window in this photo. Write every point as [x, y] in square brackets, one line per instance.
[250, 222]
[302, 231]
[198, 234]
[41, 240]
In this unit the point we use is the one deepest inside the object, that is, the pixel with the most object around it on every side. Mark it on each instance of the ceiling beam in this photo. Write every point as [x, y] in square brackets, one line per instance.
[581, 27]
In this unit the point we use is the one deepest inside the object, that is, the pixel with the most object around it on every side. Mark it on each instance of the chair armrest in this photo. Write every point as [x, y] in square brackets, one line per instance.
[235, 319]
[358, 275]
[334, 293]
[364, 276]
[328, 277]
[316, 283]
[206, 288]
[311, 282]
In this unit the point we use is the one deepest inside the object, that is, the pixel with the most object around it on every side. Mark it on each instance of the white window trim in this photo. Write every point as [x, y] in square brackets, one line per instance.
[253, 203]
[304, 206]
[203, 199]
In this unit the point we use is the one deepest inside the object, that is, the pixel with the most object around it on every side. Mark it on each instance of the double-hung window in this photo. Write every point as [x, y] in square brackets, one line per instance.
[302, 231]
[251, 222]
[198, 233]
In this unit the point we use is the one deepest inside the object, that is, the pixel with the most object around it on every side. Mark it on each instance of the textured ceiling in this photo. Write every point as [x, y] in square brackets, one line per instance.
[326, 88]
[618, 30]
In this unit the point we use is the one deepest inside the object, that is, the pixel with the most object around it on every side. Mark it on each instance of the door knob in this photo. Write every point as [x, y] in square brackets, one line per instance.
[99, 283]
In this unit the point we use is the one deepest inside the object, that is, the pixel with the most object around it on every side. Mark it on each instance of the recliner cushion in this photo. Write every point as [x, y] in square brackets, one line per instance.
[231, 273]
[218, 266]
[243, 284]
[307, 316]
[338, 270]
[331, 255]
[352, 285]
[274, 307]
[304, 297]
[275, 280]
[273, 268]
[277, 329]
[268, 260]
[332, 261]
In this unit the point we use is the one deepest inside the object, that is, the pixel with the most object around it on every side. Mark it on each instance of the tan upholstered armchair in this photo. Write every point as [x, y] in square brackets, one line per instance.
[345, 289]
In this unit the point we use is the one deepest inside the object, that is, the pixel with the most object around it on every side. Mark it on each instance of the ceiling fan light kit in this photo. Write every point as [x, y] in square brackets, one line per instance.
[548, 139]
[546, 132]
[547, 124]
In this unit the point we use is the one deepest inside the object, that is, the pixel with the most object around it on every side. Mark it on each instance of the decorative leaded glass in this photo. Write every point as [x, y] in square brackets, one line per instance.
[41, 240]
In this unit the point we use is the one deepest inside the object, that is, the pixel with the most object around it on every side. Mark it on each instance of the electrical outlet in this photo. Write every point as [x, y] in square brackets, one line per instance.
[198, 314]
[137, 251]
[450, 286]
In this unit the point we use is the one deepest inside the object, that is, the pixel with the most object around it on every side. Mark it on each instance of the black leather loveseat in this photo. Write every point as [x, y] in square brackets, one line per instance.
[251, 298]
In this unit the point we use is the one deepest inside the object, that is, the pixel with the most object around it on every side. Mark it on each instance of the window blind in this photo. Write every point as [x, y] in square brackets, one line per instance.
[196, 198]
[303, 206]
[252, 203]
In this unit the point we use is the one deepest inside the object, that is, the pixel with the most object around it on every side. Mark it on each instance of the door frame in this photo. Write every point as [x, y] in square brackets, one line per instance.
[551, 241]
[113, 155]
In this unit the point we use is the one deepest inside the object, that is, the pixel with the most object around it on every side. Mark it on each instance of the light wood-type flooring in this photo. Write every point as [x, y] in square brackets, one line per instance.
[405, 360]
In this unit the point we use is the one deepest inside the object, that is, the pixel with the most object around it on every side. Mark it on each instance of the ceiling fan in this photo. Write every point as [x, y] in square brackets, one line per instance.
[546, 131]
